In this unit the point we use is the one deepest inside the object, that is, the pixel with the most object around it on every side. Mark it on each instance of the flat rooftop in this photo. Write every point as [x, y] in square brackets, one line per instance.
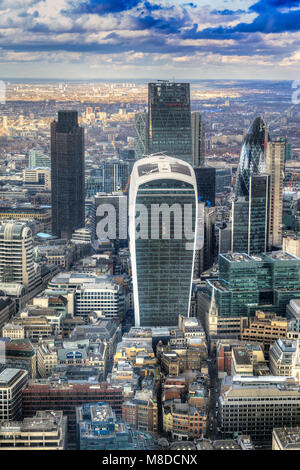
[279, 255]
[241, 356]
[101, 413]
[237, 257]
[289, 437]
[8, 375]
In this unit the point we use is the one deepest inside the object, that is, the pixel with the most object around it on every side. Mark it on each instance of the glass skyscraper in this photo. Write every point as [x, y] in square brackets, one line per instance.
[198, 142]
[111, 176]
[250, 217]
[162, 265]
[67, 174]
[250, 209]
[252, 159]
[250, 283]
[168, 127]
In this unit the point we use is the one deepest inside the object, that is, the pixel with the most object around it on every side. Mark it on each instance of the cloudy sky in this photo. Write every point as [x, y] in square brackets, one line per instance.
[185, 39]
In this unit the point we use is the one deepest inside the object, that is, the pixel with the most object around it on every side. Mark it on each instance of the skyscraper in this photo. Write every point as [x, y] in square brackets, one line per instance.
[16, 255]
[198, 143]
[206, 186]
[141, 134]
[252, 159]
[67, 174]
[163, 210]
[250, 217]
[250, 209]
[275, 158]
[169, 119]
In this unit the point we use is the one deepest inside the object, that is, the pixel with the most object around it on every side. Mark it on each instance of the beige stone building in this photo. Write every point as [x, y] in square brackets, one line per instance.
[291, 245]
[47, 430]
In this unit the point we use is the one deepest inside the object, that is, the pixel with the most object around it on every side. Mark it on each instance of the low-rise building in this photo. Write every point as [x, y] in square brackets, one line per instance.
[256, 405]
[66, 396]
[12, 382]
[286, 438]
[13, 331]
[141, 412]
[241, 362]
[47, 430]
[283, 357]
[183, 421]
[7, 310]
[265, 327]
[99, 429]
[20, 354]
[47, 358]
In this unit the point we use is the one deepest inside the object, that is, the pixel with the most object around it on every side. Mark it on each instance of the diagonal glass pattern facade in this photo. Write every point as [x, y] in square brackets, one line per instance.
[252, 159]
[250, 209]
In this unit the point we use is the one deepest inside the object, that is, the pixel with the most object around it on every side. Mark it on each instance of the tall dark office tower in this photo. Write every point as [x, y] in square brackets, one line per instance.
[253, 158]
[67, 174]
[198, 139]
[206, 186]
[250, 209]
[169, 120]
[250, 217]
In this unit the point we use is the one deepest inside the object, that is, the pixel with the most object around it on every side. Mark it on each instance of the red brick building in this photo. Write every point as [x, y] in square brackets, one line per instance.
[66, 396]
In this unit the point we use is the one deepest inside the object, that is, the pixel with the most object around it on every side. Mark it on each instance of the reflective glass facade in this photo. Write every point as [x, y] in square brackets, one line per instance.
[248, 283]
[162, 266]
[252, 159]
[251, 204]
[111, 176]
[250, 217]
[169, 119]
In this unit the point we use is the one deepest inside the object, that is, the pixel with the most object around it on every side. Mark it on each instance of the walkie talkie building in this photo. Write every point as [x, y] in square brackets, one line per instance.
[163, 214]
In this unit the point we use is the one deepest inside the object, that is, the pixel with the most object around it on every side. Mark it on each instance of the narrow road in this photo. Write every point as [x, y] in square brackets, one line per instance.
[212, 431]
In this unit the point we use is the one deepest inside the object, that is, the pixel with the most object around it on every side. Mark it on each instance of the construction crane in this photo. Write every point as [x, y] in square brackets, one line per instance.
[291, 180]
[127, 185]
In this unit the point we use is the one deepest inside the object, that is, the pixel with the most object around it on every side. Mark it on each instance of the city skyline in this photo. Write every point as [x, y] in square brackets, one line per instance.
[141, 39]
[149, 227]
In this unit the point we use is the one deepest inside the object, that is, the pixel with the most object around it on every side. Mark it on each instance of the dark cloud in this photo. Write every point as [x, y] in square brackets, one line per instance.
[154, 45]
[24, 14]
[45, 29]
[166, 26]
[227, 12]
[265, 6]
[270, 19]
[104, 7]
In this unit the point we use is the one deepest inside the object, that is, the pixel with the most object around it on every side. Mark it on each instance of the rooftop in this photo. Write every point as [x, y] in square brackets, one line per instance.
[288, 437]
[8, 375]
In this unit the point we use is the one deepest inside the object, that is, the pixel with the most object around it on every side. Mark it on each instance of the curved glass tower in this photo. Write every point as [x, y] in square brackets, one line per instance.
[251, 203]
[252, 159]
[163, 211]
